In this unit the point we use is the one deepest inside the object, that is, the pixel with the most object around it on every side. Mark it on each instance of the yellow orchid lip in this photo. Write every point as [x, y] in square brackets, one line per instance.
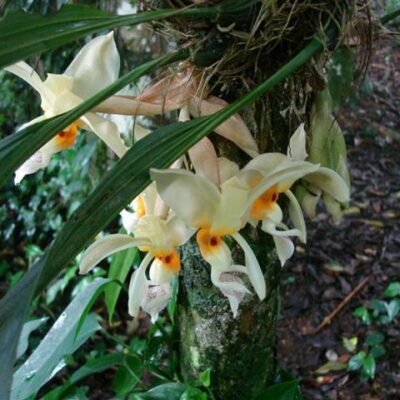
[66, 138]
[264, 203]
[208, 242]
[170, 260]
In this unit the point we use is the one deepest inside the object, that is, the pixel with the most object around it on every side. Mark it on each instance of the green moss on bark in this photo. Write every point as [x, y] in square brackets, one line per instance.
[240, 351]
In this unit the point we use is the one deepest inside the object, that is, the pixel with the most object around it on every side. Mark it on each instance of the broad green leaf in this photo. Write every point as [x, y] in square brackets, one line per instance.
[127, 376]
[167, 391]
[23, 35]
[93, 366]
[356, 361]
[369, 366]
[393, 290]
[16, 148]
[205, 377]
[122, 262]
[61, 340]
[124, 182]
[47, 359]
[363, 314]
[374, 338]
[392, 309]
[377, 351]
[280, 391]
[28, 328]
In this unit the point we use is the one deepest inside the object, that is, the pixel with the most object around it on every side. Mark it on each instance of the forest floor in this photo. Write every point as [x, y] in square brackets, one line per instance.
[364, 246]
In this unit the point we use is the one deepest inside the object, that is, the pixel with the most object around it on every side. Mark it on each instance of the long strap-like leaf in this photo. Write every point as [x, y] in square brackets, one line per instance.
[125, 181]
[23, 35]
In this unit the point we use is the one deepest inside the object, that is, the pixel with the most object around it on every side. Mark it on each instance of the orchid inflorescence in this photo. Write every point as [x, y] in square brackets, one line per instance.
[213, 203]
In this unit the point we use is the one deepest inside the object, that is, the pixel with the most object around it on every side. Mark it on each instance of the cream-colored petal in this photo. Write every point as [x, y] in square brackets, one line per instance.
[330, 182]
[139, 132]
[234, 297]
[233, 129]
[284, 248]
[293, 170]
[95, 66]
[297, 145]
[227, 169]
[107, 132]
[129, 219]
[156, 299]
[228, 286]
[34, 163]
[138, 287]
[178, 231]
[192, 198]
[204, 159]
[231, 208]
[267, 163]
[160, 275]
[254, 270]
[271, 228]
[149, 196]
[28, 74]
[155, 231]
[220, 257]
[308, 198]
[106, 246]
[296, 215]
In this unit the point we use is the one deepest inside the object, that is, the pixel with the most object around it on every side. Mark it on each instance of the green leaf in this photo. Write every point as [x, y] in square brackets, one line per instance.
[363, 314]
[167, 391]
[16, 148]
[61, 340]
[127, 376]
[28, 328]
[392, 309]
[122, 262]
[205, 377]
[377, 351]
[374, 338]
[393, 290]
[93, 366]
[23, 35]
[369, 366]
[356, 361]
[350, 343]
[125, 181]
[192, 393]
[280, 391]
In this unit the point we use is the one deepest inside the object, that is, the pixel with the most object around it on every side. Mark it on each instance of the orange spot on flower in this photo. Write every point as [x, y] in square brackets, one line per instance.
[207, 242]
[170, 261]
[264, 203]
[66, 138]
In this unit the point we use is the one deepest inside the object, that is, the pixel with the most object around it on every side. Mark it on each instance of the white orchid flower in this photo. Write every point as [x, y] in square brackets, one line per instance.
[160, 239]
[214, 213]
[272, 174]
[95, 67]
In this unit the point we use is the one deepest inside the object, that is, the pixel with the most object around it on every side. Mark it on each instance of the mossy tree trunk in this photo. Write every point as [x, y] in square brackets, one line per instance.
[241, 351]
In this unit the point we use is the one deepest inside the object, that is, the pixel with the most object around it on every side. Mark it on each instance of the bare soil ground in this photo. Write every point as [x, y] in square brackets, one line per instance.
[365, 244]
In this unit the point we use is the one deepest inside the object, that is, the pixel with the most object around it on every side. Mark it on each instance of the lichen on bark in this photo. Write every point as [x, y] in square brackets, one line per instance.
[239, 351]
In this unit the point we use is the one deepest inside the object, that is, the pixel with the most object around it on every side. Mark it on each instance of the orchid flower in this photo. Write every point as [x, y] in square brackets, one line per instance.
[95, 67]
[215, 213]
[272, 174]
[182, 91]
[160, 239]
